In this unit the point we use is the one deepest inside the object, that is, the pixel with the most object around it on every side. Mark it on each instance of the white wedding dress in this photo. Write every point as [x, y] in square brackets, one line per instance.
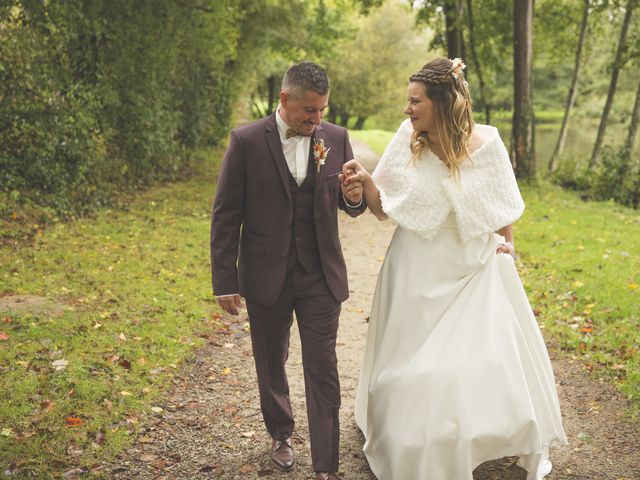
[455, 370]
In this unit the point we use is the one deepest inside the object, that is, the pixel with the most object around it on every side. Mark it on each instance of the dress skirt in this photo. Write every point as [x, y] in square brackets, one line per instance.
[455, 370]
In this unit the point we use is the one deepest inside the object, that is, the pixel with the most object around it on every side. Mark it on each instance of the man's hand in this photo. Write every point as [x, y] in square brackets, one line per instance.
[230, 303]
[352, 190]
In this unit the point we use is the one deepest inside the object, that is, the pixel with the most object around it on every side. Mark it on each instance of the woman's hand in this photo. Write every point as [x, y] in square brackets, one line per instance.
[506, 247]
[353, 171]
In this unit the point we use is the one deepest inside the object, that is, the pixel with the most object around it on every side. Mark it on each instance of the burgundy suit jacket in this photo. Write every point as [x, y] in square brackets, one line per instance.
[253, 215]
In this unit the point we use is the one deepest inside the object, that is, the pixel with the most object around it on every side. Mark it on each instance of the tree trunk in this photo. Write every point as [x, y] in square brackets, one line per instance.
[615, 71]
[359, 123]
[271, 87]
[344, 120]
[522, 131]
[453, 12]
[476, 64]
[571, 99]
[633, 126]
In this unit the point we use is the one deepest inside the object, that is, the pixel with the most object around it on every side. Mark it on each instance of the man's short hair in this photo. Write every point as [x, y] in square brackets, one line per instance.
[305, 76]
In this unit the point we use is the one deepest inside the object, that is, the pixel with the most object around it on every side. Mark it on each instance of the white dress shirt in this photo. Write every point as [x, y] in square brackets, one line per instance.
[295, 149]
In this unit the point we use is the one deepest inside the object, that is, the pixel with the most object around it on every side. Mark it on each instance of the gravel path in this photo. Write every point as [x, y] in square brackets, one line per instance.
[211, 426]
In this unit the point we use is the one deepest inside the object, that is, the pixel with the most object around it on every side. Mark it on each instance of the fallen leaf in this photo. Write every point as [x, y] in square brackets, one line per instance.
[157, 410]
[74, 421]
[46, 406]
[60, 364]
[122, 337]
[585, 437]
[230, 409]
[247, 468]
[248, 434]
[124, 363]
[7, 432]
[4, 336]
[226, 371]
[124, 393]
[100, 437]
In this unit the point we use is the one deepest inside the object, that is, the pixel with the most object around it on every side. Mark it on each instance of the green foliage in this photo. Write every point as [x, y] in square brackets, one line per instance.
[104, 96]
[369, 73]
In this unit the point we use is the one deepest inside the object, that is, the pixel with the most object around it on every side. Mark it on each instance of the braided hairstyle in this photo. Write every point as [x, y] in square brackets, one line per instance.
[446, 87]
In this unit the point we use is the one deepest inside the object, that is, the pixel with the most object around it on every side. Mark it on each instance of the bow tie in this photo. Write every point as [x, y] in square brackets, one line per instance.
[290, 133]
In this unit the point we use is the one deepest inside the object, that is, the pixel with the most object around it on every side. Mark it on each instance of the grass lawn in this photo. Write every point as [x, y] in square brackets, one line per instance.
[133, 290]
[580, 262]
[376, 139]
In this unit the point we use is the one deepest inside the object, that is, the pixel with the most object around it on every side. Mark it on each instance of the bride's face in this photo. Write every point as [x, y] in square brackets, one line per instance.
[420, 108]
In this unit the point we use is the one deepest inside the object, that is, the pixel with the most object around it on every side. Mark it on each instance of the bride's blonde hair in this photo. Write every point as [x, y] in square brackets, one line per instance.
[446, 87]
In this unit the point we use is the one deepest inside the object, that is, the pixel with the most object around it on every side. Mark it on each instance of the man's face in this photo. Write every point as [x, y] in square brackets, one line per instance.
[303, 112]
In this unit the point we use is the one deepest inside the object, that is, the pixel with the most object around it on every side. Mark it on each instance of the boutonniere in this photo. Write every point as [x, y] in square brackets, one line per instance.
[320, 152]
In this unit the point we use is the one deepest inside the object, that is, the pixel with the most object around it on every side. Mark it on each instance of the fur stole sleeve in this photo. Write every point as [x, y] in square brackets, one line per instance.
[420, 196]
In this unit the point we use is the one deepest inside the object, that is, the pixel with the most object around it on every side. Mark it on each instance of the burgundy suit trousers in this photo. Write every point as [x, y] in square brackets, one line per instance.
[317, 313]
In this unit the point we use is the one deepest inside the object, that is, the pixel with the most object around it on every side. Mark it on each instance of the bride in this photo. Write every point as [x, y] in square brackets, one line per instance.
[455, 369]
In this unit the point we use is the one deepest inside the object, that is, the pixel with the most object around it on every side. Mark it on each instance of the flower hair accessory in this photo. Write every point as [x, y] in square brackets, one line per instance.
[457, 65]
[320, 152]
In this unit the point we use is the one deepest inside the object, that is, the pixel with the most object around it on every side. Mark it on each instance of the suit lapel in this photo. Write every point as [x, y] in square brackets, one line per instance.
[275, 146]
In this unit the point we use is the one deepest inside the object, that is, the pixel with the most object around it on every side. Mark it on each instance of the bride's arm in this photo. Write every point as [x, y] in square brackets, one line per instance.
[371, 193]
[507, 233]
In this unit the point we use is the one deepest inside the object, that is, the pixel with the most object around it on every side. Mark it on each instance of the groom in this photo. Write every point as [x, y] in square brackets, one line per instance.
[274, 241]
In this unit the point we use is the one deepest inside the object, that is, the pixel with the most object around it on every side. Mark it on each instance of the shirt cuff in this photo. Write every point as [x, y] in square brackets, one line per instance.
[352, 206]
[227, 295]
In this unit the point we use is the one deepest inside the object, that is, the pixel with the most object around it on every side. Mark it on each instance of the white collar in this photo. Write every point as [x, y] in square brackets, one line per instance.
[282, 125]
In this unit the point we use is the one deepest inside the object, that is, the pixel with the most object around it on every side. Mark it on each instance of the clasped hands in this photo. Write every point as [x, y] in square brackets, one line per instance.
[351, 181]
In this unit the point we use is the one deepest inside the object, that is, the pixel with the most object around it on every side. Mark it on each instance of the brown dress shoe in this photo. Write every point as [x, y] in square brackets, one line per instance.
[282, 454]
[327, 476]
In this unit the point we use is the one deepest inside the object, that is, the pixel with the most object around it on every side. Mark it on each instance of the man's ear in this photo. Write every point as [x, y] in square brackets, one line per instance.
[284, 98]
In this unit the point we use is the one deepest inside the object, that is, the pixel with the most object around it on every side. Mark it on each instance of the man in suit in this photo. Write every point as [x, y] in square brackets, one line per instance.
[274, 241]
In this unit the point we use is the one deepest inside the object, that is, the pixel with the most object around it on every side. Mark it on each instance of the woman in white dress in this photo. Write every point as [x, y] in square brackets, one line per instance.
[455, 370]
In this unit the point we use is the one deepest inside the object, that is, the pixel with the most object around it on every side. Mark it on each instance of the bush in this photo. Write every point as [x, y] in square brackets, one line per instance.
[616, 178]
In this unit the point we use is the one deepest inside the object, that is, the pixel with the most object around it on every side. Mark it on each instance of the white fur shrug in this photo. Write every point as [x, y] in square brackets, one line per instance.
[420, 197]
